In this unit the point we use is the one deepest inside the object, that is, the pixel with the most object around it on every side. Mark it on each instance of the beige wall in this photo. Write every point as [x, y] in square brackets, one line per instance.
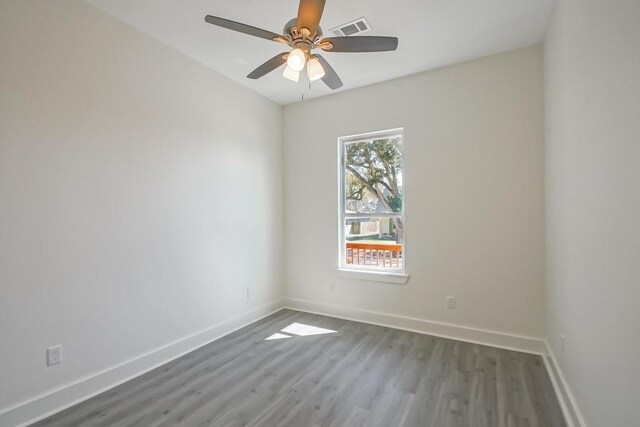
[592, 106]
[474, 193]
[140, 195]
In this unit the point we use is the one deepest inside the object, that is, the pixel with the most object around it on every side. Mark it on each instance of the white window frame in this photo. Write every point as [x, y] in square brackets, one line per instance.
[351, 271]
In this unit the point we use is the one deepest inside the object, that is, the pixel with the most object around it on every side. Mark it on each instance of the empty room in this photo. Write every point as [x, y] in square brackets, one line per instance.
[320, 213]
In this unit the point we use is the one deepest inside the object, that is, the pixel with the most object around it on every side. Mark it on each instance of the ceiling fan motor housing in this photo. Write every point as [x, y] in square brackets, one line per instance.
[300, 37]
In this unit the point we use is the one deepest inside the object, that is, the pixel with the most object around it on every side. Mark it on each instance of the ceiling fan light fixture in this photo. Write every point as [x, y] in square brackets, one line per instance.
[296, 60]
[314, 69]
[303, 35]
[290, 74]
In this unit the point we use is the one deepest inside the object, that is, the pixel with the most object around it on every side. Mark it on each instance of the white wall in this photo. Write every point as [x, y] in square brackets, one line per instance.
[130, 176]
[592, 108]
[474, 193]
[140, 195]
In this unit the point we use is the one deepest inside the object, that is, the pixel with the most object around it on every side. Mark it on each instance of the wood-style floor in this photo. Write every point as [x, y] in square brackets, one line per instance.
[359, 375]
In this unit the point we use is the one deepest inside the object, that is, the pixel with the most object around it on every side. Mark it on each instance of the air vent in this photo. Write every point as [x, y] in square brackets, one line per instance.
[358, 26]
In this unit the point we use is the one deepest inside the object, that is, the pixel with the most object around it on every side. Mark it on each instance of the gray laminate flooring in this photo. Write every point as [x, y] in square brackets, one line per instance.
[359, 375]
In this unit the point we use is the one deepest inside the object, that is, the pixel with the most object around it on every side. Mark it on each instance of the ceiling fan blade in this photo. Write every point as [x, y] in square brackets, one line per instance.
[359, 44]
[269, 66]
[330, 78]
[309, 14]
[244, 28]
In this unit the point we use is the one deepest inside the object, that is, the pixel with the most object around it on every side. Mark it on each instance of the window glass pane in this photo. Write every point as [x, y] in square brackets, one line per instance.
[373, 242]
[373, 176]
[372, 221]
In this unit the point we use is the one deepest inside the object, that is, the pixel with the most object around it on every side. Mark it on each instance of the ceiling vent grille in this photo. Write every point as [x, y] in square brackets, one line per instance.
[357, 26]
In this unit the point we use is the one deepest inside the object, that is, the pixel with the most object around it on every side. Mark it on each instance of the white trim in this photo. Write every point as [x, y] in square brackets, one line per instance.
[371, 215]
[440, 329]
[572, 414]
[373, 276]
[367, 136]
[342, 215]
[59, 399]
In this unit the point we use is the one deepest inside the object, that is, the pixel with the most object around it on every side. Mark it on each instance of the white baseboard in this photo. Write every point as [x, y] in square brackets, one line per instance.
[440, 329]
[56, 400]
[572, 414]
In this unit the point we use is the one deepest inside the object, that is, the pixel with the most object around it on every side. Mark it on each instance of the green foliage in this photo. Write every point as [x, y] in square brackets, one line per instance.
[396, 203]
[374, 172]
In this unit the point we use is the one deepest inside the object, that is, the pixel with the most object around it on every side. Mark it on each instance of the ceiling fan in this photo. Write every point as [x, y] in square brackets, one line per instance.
[303, 34]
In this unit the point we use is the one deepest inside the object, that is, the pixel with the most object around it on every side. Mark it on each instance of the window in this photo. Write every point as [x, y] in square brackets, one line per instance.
[371, 225]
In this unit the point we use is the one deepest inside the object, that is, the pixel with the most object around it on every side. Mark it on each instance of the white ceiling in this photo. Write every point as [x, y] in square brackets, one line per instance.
[432, 33]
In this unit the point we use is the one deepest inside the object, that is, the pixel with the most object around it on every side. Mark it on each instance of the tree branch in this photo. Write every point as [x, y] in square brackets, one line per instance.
[361, 179]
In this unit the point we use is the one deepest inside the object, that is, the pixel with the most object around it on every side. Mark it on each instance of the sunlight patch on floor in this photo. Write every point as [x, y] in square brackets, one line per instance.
[305, 330]
[277, 336]
[301, 330]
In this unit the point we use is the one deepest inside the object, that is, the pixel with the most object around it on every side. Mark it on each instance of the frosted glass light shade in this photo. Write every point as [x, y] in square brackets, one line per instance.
[290, 74]
[314, 69]
[296, 60]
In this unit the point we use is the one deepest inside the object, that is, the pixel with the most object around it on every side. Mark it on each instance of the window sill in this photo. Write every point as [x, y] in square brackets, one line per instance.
[373, 276]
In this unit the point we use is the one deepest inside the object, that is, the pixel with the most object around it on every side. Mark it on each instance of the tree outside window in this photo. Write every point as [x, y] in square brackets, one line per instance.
[372, 217]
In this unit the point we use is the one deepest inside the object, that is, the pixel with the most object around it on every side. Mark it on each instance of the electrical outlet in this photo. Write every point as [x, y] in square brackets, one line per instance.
[54, 355]
[248, 293]
[451, 303]
[332, 287]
